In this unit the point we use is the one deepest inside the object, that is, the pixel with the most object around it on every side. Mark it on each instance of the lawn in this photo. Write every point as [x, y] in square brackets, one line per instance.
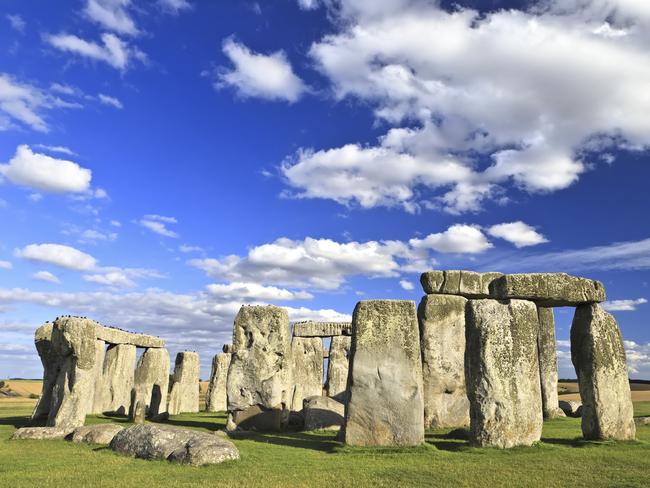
[317, 459]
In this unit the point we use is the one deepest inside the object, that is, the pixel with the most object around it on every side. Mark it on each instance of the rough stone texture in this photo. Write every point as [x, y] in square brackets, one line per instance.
[307, 353]
[148, 441]
[217, 397]
[119, 367]
[502, 373]
[184, 392]
[96, 434]
[259, 378]
[117, 336]
[546, 348]
[598, 357]
[337, 367]
[321, 329]
[469, 284]
[442, 338]
[642, 420]
[151, 382]
[51, 364]
[549, 289]
[98, 378]
[385, 407]
[571, 408]
[227, 348]
[40, 433]
[323, 413]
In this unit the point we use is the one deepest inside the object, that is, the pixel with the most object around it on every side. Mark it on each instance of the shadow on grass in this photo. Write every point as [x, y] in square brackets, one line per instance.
[447, 442]
[20, 421]
[197, 424]
[299, 440]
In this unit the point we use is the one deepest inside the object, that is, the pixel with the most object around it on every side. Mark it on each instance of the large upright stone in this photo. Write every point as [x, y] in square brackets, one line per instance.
[119, 368]
[385, 407]
[259, 377]
[307, 353]
[598, 356]
[217, 397]
[442, 337]
[184, 392]
[151, 382]
[321, 329]
[547, 348]
[51, 365]
[98, 377]
[337, 367]
[502, 373]
[469, 284]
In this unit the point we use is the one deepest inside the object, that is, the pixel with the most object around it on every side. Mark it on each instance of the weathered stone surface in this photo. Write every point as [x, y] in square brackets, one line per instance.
[96, 434]
[184, 392]
[148, 441]
[119, 367]
[151, 382]
[321, 329]
[598, 357]
[98, 378]
[227, 348]
[307, 354]
[548, 289]
[217, 397]
[259, 378]
[385, 407]
[546, 348]
[502, 373]
[337, 367]
[117, 336]
[442, 339]
[323, 413]
[642, 420]
[469, 284]
[571, 408]
[51, 364]
[40, 433]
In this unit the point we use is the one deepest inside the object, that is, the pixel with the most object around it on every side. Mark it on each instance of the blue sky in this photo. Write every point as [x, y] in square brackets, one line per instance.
[163, 162]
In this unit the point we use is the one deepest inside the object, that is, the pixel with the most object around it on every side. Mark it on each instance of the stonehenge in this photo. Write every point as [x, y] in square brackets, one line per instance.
[337, 367]
[151, 382]
[307, 355]
[118, 377]
[548, 363]
[184, 388]
[217, 398]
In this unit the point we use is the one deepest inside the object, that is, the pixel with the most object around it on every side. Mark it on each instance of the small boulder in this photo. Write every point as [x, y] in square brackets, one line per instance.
[642, 420]
[96, 434]
[41, 433]
[323, 413]
[571, 408]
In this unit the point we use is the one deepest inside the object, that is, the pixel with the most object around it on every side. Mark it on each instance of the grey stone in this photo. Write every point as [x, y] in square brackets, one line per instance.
[41, 433]
[307, 353]
[151, 381]
[227, 348]
[502, 373]
[323, 413]
[217, 397]
[119, 368]
[549, 289]
[642, 420]
[571, 408]
[148, 441]
[547, 348]
[51, 365]
[117, 336]
[98, 378]
[337, 367]
[469, 284]
[96, 434]
[321, 329]
[260, 375]
[385, 407]
[598, 357]
[184, 392]
[442, 338]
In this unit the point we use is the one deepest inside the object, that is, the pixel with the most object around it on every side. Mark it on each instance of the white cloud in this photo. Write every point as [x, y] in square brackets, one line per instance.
[45, 276]
[43, 172]
[407, 285]
[623, 305]
[17, 22]
[22, 102]
[93, 235]
[116, 279]
[459, 238]
[116, 223]
[258, 75]
[108, 100]
[518, 233]
[58, 255]
[35, 197]
[112, 15]
[638, 358]
[56, 149]
[254, 291]
[157, 224]
[6, 265]
[185, 248]
[174, 6]
[308, 4]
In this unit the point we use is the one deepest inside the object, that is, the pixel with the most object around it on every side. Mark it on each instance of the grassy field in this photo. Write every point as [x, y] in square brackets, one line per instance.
[316, 459]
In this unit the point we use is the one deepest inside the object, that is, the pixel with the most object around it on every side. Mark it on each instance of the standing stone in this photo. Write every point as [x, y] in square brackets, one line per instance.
[548, 363]
[217, 398]
[502, 373]
[386, 406]
[151, 382]
[184, 393]
[98, 377]
[51, 365]
[442, 336]
[337, 367]
[119, 367]
[307, 353]
[259, 377]
[598, 357]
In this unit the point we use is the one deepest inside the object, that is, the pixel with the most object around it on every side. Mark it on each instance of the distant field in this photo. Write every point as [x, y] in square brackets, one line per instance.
[569, 391]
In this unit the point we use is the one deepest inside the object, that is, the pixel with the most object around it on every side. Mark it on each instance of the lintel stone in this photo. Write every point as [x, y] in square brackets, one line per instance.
[321, 329]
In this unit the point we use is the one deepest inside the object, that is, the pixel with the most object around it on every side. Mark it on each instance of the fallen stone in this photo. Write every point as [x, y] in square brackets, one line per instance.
[385, 407]
[502, 373]
[151, 381]
[217, 398]
[321, 329]
[642, 420]
[117, 336]
[442, 336]
[598, 357]
[184, 392]
[41, 433]
[307, 354]
[548, 289]
[337, 367]
[96, 434]
[546, 348]
[323, 413]
[469, 284]
[571, 408]
[119, 368]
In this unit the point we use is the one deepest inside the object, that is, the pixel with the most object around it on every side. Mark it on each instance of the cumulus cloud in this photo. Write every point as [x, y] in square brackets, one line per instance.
[59, 255]
[459, 238]
[254, 291]
[6, 265]
[174, 6]
[519, 233]
[112, 15]
[46, 276]
[623, 305]
[108, 100]
[45, 173]
[259, 75]
[17, 22]
[308, 4]
[158, 225]
[407, 285]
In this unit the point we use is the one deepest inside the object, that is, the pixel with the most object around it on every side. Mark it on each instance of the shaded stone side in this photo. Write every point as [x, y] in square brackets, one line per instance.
[184, 392]
[547, 351]
[469, 284]
[98, 378]
[217, 397]
[259, 378]
[598, 356]
[112, 335]
[385, 407]
[337, 367]
[307, 354]
[51, 365]
[502, 373]
[119, 368]
[151, 383]
[321, 329]
[442, 338]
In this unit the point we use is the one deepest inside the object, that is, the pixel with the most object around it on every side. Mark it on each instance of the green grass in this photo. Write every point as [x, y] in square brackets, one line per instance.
[562, 459]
